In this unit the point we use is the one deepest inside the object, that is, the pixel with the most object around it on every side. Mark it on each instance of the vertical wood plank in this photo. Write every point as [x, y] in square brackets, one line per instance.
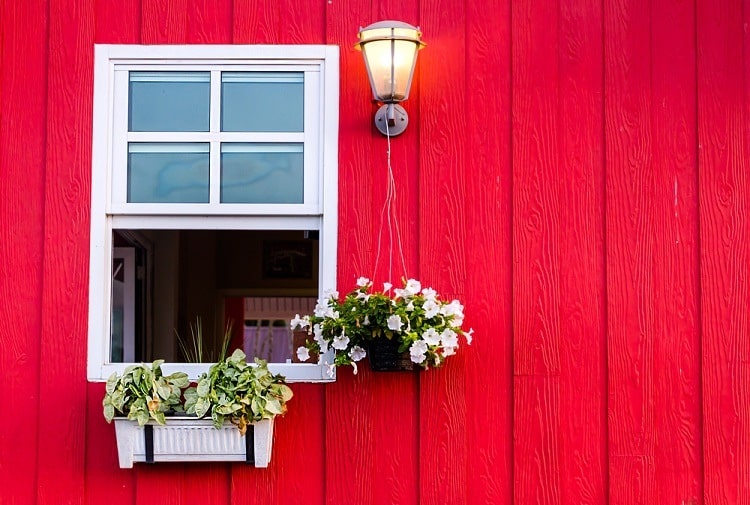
[270, 22]
[583, 373]
[116, 22]
[676, 348]
[395, 463]
[443, 237]
[489, 360]
[630, 250]
[348, 403]
[537, 403]
[724, 203]
[62, 447]
[536, 251]
[23, 84]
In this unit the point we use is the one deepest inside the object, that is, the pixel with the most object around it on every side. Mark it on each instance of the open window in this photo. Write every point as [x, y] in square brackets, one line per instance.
[214, 201]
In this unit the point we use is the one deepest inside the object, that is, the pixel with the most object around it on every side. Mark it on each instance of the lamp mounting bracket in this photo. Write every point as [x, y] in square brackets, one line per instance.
[394, 116]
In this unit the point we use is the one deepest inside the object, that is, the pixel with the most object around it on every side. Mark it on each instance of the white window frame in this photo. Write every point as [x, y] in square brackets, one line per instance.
[318, 211]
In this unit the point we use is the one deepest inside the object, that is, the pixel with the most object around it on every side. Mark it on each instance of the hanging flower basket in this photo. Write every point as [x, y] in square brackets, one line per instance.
[371, 322]
[385, 356]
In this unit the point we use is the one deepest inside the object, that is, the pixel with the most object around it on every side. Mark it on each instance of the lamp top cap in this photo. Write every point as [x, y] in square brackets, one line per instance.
[390, 30]
[389, 23]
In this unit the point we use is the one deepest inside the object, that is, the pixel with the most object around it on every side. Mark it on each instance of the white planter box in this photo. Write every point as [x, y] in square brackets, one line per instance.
[191, 439]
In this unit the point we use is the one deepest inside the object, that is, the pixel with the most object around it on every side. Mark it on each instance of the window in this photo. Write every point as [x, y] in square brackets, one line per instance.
[214, 202]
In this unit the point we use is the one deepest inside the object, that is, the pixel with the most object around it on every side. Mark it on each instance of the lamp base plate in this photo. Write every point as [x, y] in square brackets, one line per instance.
[398, 123]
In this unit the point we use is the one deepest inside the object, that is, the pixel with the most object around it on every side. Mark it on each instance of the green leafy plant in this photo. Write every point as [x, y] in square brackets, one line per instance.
[239, 392]
[418, 319]
[142, 392]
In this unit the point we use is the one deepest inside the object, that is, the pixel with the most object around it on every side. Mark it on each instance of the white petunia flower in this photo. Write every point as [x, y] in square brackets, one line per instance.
[413, 287]
[363, 282]
[363, 296]
[429, 294]
[302, 322]
[303, 354]
[418, 358]
[410, 306]
[357, 353]
[449, 351]
[330, 370]
[449, 338]
[431, 336]
[431, 309]
[418, 351]
[468, 335]
[340, 342]
[400, 293]
[387, 287]
[366, 322]
[394, 322]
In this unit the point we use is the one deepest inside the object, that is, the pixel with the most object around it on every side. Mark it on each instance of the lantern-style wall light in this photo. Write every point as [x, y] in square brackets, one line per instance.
[390, 52]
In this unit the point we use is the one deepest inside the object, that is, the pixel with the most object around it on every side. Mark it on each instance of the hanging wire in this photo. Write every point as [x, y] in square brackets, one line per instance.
[388, 215]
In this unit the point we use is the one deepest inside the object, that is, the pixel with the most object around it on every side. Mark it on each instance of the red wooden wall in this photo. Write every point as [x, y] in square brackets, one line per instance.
[575, 171]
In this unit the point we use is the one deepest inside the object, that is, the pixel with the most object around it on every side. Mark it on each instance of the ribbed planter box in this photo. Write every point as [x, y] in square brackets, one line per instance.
[189, 439]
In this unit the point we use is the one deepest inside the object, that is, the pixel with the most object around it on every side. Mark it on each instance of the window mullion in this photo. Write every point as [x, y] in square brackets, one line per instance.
[215, 157]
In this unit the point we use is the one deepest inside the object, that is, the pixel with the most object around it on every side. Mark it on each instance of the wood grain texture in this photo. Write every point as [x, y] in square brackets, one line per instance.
[66, 251]
[118, 21]
[443, 451]
[630, 236]
[164, 21]
[537, 178]
[115, 23]
[23, 78]
[488, 299]
[536, 208]
[582, 345]
[537, 460]
[676, 349]
[724, 203]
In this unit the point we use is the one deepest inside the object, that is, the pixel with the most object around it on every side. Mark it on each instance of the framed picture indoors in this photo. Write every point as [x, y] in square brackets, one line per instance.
[287, 259]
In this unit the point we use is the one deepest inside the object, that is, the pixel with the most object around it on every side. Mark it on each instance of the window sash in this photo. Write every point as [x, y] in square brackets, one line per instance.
[108, 181]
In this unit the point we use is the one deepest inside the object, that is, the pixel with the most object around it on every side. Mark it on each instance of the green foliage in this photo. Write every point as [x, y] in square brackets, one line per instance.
[143, 393]
[235, 390]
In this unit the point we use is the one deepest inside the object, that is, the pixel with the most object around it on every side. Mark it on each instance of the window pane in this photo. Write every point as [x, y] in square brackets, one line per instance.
[262, 173]
[168, 173]
[169, 101]
[262, 101]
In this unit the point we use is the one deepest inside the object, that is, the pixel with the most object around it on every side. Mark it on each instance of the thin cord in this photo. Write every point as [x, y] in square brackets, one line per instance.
[388, 215]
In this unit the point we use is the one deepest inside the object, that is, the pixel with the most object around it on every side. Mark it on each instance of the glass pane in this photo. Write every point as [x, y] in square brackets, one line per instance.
[262, 101]
[169, 101]
[262, 173]
[168, 173]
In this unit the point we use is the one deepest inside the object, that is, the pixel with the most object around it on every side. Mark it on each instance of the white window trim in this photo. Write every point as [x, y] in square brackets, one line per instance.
[319, 211]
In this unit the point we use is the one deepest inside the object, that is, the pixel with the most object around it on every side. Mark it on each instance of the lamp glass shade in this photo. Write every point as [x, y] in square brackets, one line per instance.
[390, 52]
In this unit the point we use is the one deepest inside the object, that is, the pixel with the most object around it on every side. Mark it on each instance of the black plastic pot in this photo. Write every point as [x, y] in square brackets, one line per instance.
[384, 356]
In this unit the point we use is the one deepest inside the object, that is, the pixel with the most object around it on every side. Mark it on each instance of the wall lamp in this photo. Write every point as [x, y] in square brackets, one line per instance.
[390, 52]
